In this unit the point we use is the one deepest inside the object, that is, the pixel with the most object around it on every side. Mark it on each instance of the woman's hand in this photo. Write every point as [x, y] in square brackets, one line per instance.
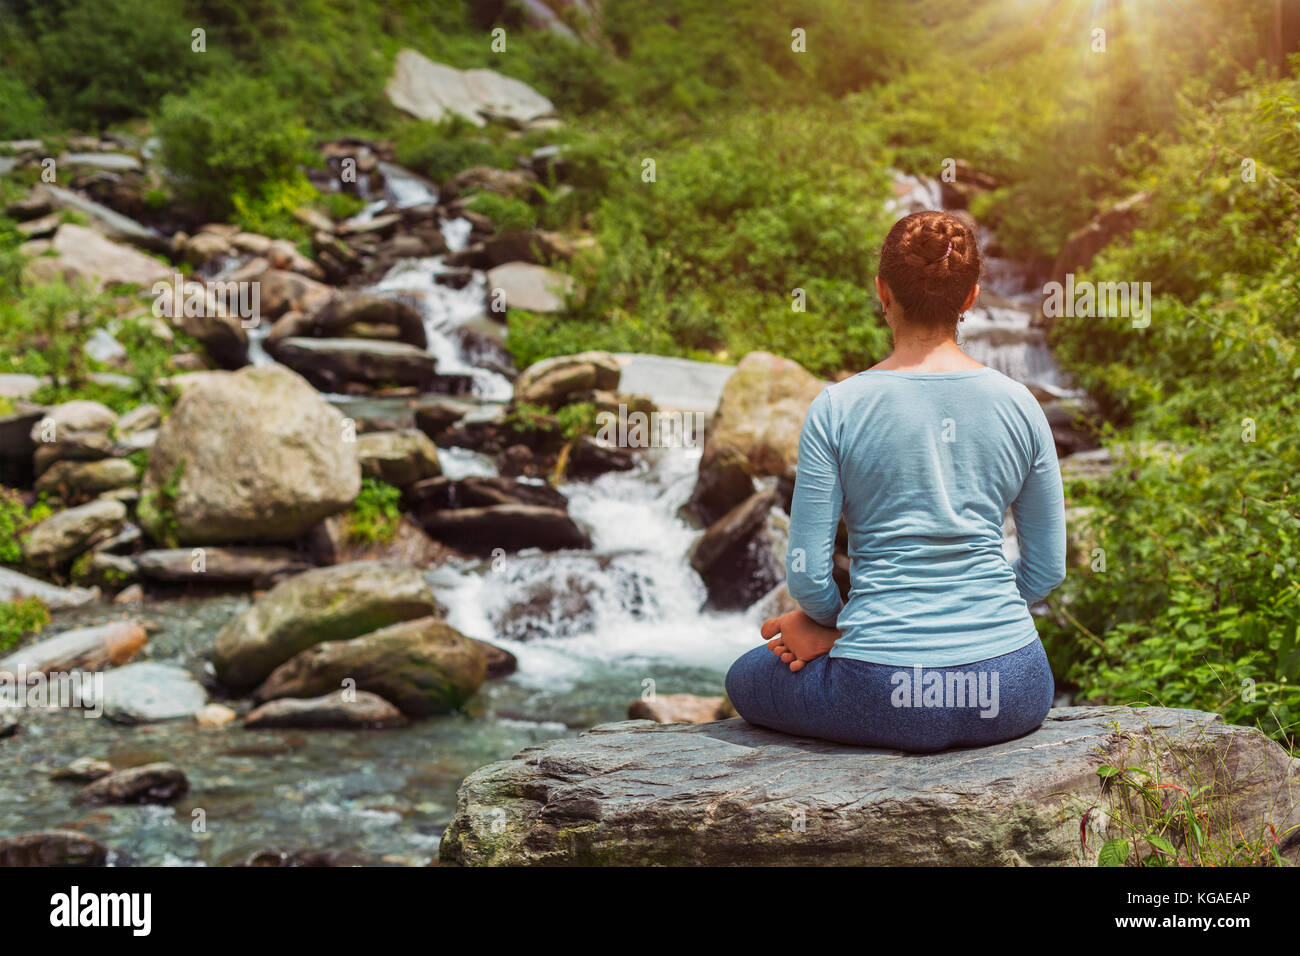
[801, 638]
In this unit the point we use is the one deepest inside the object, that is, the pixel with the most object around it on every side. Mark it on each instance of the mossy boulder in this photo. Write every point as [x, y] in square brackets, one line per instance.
[64, 535]
[422, 667]
[760, 415]
[325, 604]
[754, 432]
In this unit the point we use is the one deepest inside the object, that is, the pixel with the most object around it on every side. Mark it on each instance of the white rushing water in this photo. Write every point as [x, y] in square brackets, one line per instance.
[630, 605]
[446, 310]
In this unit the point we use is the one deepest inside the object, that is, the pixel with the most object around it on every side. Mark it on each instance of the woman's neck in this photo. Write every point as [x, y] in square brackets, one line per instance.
[922, 353]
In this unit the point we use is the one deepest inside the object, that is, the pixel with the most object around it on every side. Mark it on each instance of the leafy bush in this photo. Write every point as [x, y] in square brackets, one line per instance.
[44, 329]
[506, 212]
[342, 205]
[440, 151]
[148, 359]
[22, 112]
[99, 61]
[706, 260]
[577, 419]
[1198, 601]
[578, 77]
[233, 143]
[269, 209]
[1167, 824]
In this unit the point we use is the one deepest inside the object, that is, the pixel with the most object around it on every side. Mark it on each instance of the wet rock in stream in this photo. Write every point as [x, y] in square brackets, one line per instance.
[150, 783]
[341, 710]
[325, 604]
[423, 667]
[52, 848]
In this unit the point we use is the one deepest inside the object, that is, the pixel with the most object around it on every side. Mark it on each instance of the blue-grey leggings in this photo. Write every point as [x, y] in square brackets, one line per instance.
[901, 708]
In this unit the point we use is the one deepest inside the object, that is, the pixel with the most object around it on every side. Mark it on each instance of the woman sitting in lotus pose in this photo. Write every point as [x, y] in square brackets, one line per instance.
[921, 455]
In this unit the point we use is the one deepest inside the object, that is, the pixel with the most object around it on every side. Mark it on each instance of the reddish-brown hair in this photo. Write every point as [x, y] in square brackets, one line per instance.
[930, 261]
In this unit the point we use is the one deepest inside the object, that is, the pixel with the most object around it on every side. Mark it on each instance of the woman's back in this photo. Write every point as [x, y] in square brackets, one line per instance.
[924, 466]
[921, 454]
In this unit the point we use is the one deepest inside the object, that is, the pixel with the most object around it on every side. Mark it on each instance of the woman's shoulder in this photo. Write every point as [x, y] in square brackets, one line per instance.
[982, 383]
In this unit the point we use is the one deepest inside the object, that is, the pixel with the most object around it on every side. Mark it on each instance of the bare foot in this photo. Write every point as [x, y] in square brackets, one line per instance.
[801, 638]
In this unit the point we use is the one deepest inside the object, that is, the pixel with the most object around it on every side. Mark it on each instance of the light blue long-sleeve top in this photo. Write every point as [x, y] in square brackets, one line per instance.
[923, 465]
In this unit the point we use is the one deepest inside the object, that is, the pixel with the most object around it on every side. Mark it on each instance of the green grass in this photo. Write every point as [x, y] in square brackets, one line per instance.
[1159, 821]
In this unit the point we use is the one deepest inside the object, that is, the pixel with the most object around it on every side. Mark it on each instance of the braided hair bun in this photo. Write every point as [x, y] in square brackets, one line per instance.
[930, 261]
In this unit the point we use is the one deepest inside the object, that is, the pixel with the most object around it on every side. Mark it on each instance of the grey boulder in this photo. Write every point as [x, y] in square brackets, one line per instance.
[730, 793]
[254, 455]
[149, 691]
[326, 604]
[337, 711]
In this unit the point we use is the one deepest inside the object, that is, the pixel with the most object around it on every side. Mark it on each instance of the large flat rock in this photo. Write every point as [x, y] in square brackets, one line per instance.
[729, 793]
[331, 364]
[674, 383]
[82, 253]
[432, 91]
[15, 587]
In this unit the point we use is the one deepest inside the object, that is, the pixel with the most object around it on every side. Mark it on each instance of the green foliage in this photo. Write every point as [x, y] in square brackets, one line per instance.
[15, 518]
[705, 260]
[326, 60]
[439, 151]
[1199, 601]
[341, 205]
[578, 77]
[563, 424]
[162, 505]
[1167, 824]
[20, 618]
[375, 514]
[149, 355]
[1065, 128]
[44, 330]
[528, 417]
[233, 145]
[95, 62]
[696, 58]
[577, 419]
[268, 210]
[506, 212]
[22, 112]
